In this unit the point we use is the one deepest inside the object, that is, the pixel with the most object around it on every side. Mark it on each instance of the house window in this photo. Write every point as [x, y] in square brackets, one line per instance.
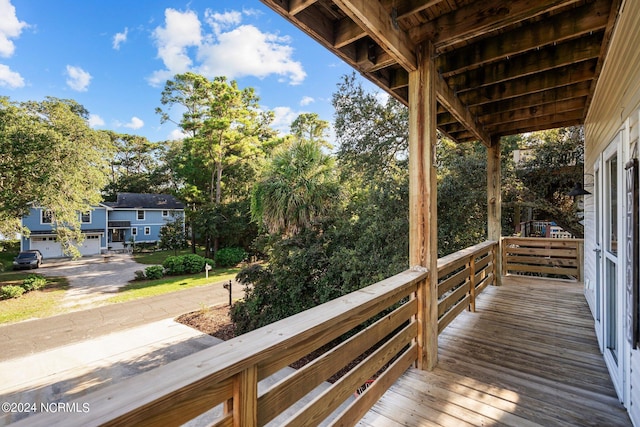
[134, 231]
[85, 217]
[141, 215]
[165, 213]
[147, 231]
[46, 216]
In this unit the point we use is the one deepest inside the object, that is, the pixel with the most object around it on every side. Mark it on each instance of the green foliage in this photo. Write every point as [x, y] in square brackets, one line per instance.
[154, 272]
[11, 291]
[184, 264]
[298, 187]
[33, 282]
[49, 155]
[139, 274]
[230, 257]
[193, 263]
[172, 236]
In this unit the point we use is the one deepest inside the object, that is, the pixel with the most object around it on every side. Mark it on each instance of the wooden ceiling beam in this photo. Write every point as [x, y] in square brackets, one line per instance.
[533, 111]
[590, 18]
[371, 16]
[297, 6]
[481, 17]
[523, 65]
[570, 118]
[559, 94]
[452, 103]
[563, 76]
[347, 32]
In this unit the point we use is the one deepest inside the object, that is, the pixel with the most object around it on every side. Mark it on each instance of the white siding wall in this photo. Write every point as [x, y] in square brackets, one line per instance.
[615, 107]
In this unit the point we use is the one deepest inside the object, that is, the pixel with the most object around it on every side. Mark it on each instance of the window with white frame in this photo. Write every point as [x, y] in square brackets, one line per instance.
[141, 215]
[165, 213]
[147, 231]
[134, 231]
[85, 217]
[46, 216]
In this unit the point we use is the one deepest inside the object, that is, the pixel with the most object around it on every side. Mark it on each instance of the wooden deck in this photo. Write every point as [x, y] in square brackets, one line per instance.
[528, 356]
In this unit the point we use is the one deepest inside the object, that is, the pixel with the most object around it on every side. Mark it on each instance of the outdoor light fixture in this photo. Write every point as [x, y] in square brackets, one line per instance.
[578, 191]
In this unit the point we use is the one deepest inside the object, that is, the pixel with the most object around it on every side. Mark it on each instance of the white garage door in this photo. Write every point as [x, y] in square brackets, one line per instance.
[90, 245]
[47, 246]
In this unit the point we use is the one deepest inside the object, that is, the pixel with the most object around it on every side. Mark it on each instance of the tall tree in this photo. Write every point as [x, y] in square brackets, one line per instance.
[225, 129]
[309, 127]
[135, 167]
[298, 187]
[50, 157]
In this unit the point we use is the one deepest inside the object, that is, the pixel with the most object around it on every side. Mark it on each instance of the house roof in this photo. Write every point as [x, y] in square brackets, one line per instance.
[503, 68]
[145, 201]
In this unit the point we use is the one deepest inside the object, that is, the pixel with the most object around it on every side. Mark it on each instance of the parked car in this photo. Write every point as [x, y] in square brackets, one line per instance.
[27, 259]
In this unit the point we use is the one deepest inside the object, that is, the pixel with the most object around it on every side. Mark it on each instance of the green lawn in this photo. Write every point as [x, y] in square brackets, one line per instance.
[148, 288]
[35, 304]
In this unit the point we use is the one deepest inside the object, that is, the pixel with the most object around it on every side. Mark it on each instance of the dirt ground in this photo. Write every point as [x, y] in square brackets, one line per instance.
[212, 321]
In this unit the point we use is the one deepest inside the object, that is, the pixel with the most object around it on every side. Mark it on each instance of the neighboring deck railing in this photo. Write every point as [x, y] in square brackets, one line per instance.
[378, 331]
[546, 257]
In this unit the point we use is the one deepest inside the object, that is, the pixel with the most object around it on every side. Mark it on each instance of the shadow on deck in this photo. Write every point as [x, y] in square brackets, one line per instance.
[528, 356]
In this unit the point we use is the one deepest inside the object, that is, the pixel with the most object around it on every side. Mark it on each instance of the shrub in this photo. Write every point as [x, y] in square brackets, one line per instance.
[193, 263]
[154, 272]
[230, 257]
[173, 265]
[33, 282]
[10, 291]
[209, 261]
[139, 275]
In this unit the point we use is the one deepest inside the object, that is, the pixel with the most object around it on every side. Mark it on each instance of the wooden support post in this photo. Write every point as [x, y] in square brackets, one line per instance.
[423, 231]
[494, 199]
[245, 398]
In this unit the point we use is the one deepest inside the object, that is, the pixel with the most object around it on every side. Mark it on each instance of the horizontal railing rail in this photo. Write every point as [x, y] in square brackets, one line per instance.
[368, 334]
[547, 257]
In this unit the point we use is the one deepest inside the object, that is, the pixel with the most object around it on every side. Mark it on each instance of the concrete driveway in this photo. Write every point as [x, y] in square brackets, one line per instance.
[92, 279]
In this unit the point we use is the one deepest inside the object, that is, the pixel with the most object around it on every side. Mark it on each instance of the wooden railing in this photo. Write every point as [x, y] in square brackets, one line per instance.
[372, 331]
[542, 256]
[461, 276]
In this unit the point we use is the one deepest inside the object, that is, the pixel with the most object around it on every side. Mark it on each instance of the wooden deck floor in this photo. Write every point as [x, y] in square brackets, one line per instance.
[527, 357]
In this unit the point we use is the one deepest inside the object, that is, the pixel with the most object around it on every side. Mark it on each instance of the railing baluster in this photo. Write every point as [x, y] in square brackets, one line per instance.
[245, 398]
[472, 283]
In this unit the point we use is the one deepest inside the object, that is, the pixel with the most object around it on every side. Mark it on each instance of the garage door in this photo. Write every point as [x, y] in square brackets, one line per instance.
[90, 245]
[47, 246]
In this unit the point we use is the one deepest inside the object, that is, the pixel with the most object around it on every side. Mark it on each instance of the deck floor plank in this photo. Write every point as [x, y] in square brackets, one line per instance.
[527, 357]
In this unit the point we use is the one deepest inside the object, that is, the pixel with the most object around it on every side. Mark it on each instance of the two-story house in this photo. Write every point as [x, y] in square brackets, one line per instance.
[132, 218]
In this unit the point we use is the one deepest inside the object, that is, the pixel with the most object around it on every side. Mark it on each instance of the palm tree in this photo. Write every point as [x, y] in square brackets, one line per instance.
[298, 187]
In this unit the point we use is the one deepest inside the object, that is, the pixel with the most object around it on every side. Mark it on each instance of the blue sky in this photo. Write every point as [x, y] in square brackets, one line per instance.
[114, 57]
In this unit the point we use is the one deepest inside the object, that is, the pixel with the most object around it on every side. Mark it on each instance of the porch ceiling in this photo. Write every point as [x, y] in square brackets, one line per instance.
[504, 67]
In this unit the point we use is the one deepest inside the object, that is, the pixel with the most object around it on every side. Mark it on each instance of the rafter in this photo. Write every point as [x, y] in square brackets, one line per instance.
[561, 55]
[371, 16]
[478, 18]
[297, 6]
[564, 26]
[549, 79]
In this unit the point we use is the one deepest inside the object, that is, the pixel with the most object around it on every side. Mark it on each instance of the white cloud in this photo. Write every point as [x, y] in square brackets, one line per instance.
[177, 134]
[230, 49]
[120, 38]
[78, 79]
[9, 78]
[10, 28]
[95, 120]
[135, 123]
[283, 117]
[181, 31]
[306, 100]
